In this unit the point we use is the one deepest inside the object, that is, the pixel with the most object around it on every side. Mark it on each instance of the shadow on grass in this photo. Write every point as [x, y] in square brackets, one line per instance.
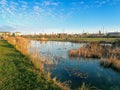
[6, 45]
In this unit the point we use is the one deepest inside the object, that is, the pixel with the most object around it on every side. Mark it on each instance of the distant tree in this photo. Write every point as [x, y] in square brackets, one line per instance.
[116, 43]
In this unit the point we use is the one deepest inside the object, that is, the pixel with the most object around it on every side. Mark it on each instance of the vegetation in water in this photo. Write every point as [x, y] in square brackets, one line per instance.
[87, 87]
[109, 55]
[111, 62]
[25, 66]
[91, 50]
[38, 61]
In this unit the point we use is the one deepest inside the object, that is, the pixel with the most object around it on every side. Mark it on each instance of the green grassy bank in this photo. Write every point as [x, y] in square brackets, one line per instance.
[18, 73]
[93, 39]
[80, 39]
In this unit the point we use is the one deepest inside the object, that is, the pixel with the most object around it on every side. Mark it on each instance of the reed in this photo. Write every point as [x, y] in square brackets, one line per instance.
[63, 85]
[84, 86]
[22, 44]
[37, 61]
[114, 52]
[95, 50]
[111, 62]
[92, 50]
[18, 73]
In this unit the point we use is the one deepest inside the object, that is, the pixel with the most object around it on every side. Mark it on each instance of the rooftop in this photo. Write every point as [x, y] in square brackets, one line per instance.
[113, 32]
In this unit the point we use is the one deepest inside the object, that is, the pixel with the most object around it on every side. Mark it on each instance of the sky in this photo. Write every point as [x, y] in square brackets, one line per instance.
[58, 16]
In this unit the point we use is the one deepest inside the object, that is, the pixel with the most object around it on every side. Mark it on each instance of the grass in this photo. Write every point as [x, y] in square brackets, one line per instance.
[23, 44]
[92, 39]
[18, 73]
[80, 39]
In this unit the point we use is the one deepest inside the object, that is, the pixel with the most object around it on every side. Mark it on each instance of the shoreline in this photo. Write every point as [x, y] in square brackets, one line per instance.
[19, 72]
[80, 40]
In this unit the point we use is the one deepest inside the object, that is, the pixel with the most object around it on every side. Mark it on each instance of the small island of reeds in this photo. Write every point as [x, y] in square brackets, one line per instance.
[109, 55]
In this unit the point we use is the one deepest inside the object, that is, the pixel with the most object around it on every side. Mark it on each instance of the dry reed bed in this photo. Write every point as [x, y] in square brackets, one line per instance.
[111, 62]
[112, 59]
[92, 50]
[114, 52]
[22, 44]
[39, 62]
[95, 50]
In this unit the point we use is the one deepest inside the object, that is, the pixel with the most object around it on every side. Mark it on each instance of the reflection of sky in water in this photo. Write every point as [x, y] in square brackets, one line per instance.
[77, 70]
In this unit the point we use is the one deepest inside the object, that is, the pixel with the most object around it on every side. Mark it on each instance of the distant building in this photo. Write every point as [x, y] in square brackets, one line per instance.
[76, 35]
[114, 34]
[97, 34]
[5, 34]
[17, 34]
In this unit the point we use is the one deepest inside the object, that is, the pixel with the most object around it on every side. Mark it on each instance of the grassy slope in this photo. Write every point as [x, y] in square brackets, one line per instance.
[17, 72]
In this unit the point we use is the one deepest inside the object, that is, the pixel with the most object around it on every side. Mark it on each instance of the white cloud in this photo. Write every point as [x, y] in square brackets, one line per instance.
[13, 5]
[49, 3]
[46, 3]
[99, 3]
[24, 5]
[3, 2]
[38, 10]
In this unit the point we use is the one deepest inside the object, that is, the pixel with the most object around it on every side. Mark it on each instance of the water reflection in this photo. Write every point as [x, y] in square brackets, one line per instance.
[75, 70]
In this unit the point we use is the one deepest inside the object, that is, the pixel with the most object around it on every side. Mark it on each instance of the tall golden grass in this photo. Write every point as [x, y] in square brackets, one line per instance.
[95, 50]
[20, 43]
[39, 62]
[92, 50]
[23, 45]
[36, 60]
[63, 85]
[84, 86]
[111, 62]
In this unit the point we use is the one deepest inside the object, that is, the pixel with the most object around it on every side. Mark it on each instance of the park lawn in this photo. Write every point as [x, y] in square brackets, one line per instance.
[18, 73]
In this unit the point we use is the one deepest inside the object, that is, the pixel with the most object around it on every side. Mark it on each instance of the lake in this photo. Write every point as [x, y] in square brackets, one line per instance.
[75, 71]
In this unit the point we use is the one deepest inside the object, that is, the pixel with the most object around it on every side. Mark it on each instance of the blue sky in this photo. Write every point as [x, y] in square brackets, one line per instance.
[71, 16]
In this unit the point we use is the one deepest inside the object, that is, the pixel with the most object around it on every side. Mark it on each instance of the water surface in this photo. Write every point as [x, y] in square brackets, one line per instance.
[76, 70]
